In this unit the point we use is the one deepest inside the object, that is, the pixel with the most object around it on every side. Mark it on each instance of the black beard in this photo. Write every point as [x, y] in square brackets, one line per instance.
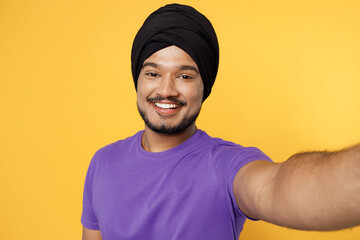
[163, 129]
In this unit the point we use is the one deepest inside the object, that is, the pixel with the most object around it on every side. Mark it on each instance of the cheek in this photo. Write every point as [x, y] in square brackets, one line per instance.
[197, 94]
[139, 96]
[143, 90]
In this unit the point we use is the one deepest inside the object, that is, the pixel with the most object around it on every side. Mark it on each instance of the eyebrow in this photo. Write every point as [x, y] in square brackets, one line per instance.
[150, 64]
[181, 67]
[188, 67]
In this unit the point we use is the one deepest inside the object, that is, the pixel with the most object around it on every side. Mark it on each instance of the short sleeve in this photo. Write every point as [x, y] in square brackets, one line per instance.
[88, 217]
[229, 160]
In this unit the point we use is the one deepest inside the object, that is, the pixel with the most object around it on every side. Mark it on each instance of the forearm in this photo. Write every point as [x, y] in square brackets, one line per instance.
[315, 191]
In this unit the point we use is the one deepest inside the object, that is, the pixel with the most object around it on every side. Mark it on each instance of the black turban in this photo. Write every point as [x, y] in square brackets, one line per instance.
[184, 27]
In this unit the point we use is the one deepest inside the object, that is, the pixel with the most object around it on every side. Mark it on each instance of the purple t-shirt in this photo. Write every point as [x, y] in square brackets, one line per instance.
[182, 193]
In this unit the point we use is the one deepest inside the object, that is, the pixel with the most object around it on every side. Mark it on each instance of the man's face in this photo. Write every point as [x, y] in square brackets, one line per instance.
[169, 91]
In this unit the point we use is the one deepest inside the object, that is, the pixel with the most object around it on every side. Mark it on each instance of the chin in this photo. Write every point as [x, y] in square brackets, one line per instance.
[166, 129]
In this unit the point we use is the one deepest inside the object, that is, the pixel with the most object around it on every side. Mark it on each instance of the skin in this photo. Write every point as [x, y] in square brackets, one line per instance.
[169, 73]
[89, 234]
[309, 191]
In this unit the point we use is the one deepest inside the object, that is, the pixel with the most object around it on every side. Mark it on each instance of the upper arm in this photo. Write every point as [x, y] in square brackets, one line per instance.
[89, 234]
[250, 181]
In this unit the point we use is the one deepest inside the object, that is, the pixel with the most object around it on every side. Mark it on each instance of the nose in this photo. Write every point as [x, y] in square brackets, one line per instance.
[167, 86]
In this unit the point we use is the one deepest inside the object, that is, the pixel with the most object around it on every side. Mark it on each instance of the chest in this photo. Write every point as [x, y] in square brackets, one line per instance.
[132, 197]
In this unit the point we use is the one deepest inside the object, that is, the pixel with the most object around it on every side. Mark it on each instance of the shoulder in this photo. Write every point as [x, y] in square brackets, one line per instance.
[228, 157]
[117, 147]
[223, 148]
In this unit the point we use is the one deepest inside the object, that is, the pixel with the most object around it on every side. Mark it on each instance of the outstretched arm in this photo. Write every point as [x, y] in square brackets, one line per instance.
[309, 191]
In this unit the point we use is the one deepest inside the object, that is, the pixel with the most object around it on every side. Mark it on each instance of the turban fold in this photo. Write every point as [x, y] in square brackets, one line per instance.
[184, 27]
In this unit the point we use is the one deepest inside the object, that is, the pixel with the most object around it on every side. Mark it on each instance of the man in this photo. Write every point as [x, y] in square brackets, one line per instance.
[173, 181]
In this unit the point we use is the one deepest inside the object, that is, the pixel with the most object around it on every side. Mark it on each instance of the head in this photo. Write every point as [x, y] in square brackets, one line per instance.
[169, 91]
[174, 58]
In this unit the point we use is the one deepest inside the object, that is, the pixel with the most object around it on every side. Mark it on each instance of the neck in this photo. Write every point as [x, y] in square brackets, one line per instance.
[155, 142]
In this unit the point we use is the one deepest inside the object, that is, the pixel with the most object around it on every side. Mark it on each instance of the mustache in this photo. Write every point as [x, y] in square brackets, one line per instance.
[171, 99]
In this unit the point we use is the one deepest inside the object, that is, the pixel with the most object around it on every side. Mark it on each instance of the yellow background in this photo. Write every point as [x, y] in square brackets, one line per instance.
[289, 81]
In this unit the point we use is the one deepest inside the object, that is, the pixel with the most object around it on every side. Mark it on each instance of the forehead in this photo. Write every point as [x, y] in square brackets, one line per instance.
[171, 56]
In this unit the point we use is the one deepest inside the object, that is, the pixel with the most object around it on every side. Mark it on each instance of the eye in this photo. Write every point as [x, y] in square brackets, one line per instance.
[152, 74]
[184, 76]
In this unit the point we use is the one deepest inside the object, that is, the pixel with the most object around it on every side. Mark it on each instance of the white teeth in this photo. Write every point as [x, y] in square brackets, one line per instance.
[165, 105]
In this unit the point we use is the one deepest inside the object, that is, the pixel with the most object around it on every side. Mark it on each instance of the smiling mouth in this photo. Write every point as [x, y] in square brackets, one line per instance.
[166, 105]
[169, 102]
[166, 109]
